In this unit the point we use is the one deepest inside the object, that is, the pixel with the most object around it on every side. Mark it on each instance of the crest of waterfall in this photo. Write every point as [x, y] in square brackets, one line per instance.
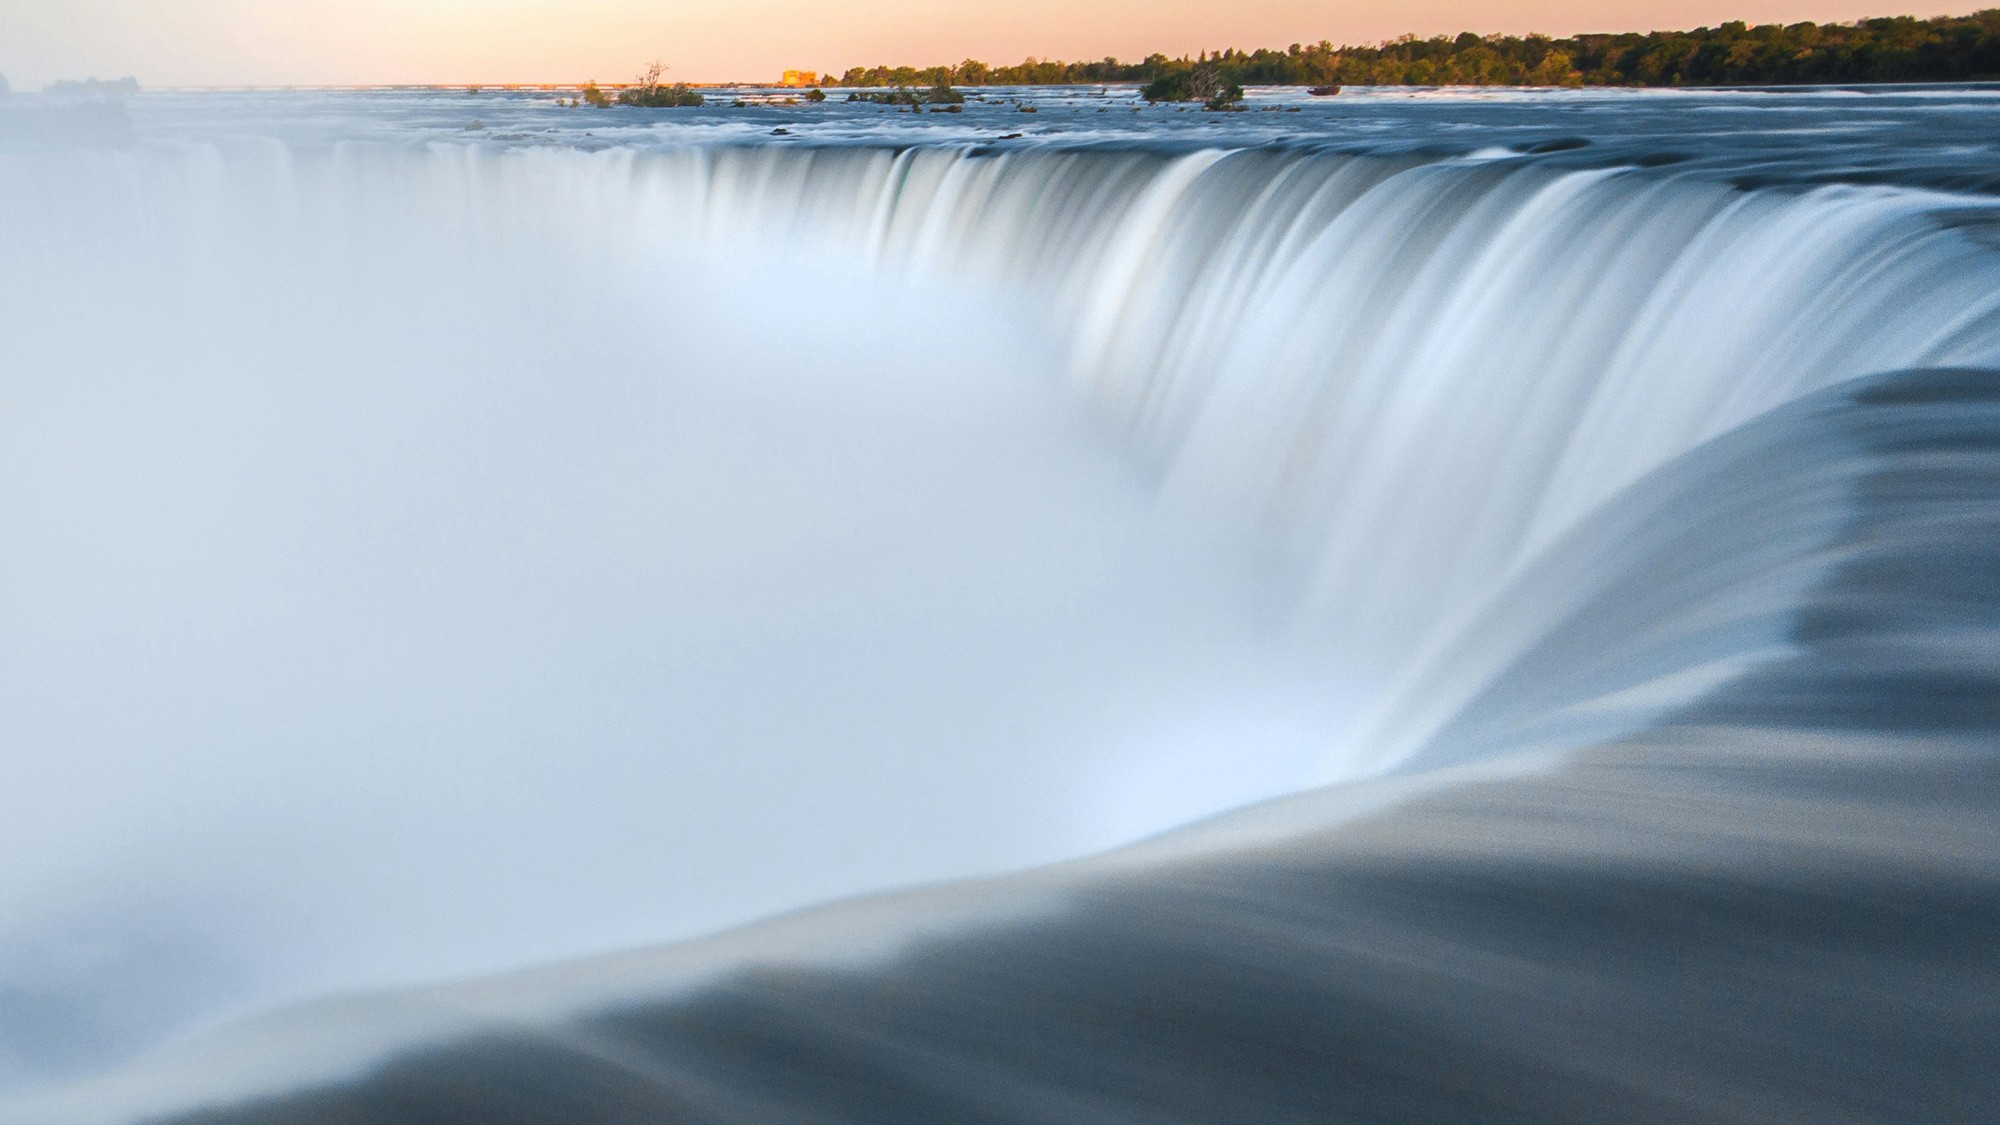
[1418, 376]
[1409, 377]
[1414, 375]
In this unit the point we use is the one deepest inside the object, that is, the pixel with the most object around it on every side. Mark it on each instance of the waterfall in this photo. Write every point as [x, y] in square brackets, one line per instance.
[1409, 375]
[1479, 460]
[1406, 378]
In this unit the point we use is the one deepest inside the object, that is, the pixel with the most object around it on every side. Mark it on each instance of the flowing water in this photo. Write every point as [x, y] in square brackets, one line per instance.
[450, 533]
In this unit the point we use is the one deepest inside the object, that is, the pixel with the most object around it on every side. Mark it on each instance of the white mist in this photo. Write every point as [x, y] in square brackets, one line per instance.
[396, 591]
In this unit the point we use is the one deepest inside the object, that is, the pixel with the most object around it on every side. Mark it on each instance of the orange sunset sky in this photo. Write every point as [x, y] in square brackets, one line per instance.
[311, 42]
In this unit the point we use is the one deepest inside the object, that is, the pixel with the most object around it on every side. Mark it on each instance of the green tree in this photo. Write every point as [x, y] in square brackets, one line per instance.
[1557, 68]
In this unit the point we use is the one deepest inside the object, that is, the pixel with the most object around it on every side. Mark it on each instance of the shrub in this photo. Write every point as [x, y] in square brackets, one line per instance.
[901, 95]
[1200, 83]
[905, 95]
[677, 96]
[649, 93]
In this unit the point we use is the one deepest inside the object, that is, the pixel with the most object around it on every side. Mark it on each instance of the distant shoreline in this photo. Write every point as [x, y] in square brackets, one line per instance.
[461, 88]
[1898, 49]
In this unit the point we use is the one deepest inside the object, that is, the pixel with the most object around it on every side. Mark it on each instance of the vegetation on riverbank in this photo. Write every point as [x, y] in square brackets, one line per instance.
[1895, 49]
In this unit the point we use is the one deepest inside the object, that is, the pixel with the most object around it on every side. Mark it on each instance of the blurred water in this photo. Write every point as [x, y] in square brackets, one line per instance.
[434, 550]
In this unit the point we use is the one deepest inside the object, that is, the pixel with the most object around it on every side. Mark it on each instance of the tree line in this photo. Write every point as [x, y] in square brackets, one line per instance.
[1891, 49]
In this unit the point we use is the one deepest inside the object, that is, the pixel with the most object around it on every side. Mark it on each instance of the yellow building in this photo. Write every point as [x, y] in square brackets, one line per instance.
[799, 79]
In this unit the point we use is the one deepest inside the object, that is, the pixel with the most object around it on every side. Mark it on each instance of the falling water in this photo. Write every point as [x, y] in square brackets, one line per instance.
[433, 554]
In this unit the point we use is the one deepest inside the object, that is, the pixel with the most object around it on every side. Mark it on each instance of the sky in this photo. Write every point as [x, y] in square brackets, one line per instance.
[338, 42]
